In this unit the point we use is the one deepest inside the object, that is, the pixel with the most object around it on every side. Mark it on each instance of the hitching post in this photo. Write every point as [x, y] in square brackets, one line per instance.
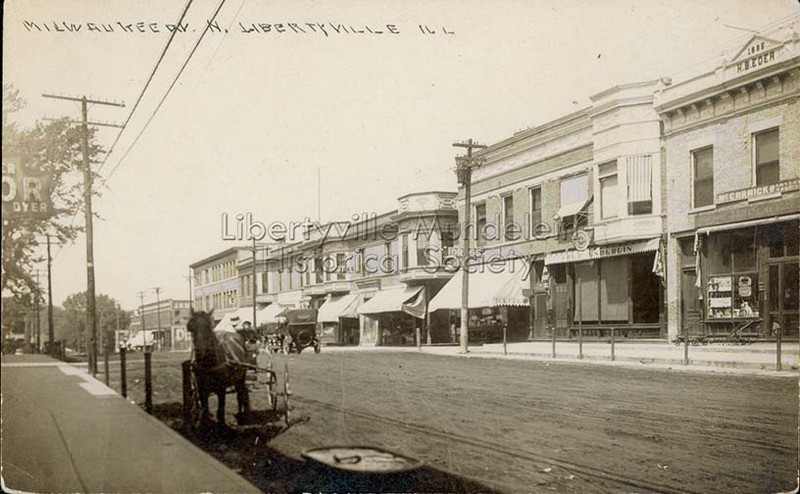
[778, 365]
[505, 339]
[123, 378]
[148, 381]
[613, 334]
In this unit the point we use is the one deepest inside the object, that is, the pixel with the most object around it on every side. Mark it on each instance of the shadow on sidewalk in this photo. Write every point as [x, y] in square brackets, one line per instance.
[245, 449]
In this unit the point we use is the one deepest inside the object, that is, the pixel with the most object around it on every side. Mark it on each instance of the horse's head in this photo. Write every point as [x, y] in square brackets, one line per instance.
[200, 325]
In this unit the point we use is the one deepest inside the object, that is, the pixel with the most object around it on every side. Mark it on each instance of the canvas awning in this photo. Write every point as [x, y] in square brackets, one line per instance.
[486, 288]
[572, 209]
[402, 299]
[141, 338]
[601, 251]
[235, 319]
[270, 314]
[338, 306]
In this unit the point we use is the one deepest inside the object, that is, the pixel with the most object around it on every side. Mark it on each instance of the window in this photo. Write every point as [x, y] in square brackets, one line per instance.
[703, 177]
[448, 242]
[340, 266]
[536, 209]
[404, 251]
[574, 196]
[640, 191]
[264, 281]
[609, 192]
[767, 158]
[509, 227]
[389, 262]
[480, 225]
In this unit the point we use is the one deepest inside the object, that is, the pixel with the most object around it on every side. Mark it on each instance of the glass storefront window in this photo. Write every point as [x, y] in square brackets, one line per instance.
[686, 252]
[743, 247]
[718, 253]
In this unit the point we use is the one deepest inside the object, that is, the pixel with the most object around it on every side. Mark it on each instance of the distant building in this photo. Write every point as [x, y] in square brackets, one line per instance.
[165, 321]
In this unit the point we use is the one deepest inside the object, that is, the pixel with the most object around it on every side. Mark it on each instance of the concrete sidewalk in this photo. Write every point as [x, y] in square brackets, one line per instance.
[64, 431]
[756, 357]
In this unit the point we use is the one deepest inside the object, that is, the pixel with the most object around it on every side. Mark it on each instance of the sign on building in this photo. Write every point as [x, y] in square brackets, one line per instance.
[26, 192]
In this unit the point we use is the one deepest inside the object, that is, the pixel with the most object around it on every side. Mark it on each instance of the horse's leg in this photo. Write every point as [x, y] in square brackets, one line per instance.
[245, 392]
[221, 405]
[204, 393]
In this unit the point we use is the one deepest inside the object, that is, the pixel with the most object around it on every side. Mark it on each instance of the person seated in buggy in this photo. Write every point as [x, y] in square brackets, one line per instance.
[250, 340]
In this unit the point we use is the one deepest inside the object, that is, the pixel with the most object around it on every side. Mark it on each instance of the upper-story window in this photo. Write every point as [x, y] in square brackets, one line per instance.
[404, 251]
[341, 267]
[703, 177]
[767, 159]
[609, 190]
[509, 228]
[536, 209]
[480, 225]
[389, 264]
[574, 196]
[640, 184]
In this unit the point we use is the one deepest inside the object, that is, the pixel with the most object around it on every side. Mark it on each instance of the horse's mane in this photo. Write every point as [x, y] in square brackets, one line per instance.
[212, 349]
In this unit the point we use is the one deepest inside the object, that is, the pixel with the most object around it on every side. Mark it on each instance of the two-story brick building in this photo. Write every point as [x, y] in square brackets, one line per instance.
[732, 139]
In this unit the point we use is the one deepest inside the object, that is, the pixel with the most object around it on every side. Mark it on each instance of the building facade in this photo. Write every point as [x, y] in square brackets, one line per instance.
[216, 281]
[164, 324]
[731, 139]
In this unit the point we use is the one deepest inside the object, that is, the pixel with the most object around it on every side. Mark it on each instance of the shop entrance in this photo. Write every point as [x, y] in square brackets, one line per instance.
[782, 299]
[691, 308]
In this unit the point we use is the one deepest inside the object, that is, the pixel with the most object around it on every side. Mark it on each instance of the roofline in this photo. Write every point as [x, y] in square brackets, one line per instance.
[229, 250]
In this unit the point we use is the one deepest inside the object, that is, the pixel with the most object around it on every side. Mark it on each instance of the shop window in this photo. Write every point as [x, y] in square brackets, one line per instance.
[536, 209]
[509, 233]
[719, 253]
[614, 289]
[559, 273]
[480, 224]
[782, 239]
[703, 177]
[609, 190]
[743, 247]
[767, 160]
[586, 288]
[640, 190]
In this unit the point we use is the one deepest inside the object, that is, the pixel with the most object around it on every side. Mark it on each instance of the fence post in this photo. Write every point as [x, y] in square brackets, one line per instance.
[686, 346]
[419, 339]
[778, 364]
[613, 343]
[187, 390]
[554, 342]
[148, 381]
[505, 339]
[123, 376]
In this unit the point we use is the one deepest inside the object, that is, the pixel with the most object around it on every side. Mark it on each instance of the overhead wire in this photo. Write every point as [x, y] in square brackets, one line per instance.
[166, 94]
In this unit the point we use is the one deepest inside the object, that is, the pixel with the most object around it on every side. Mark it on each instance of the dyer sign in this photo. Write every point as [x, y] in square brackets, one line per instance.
[26, 192]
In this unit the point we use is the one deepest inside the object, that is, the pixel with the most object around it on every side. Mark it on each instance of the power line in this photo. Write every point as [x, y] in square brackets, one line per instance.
[146, 85]
[169, 90]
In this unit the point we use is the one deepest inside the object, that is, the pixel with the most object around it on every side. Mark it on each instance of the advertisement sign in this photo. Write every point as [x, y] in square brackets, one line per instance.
[26, 192]
[760, 191]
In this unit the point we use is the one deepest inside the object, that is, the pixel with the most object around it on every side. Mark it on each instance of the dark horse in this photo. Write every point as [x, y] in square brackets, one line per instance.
[217, 359]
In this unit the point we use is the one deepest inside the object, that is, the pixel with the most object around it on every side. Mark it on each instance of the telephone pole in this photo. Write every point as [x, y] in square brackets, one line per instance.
[38, 315]
[50, 330]
[141, 316]
[464, 167]
[254, 281]
[91, 314]
[158, 315]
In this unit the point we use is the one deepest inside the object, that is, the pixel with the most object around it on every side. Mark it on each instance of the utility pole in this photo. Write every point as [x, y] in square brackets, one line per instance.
[38, 315]
[91, 315]
[254, 281]
[191, 295]
[158, 315]
[50, 330]
[464, 167]
[141, 316]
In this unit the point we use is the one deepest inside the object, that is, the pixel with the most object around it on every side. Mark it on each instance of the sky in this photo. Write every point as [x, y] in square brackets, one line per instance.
[257, 116]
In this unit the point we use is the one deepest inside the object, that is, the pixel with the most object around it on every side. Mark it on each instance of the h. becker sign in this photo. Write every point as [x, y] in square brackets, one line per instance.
[760, 191]
[26, 192]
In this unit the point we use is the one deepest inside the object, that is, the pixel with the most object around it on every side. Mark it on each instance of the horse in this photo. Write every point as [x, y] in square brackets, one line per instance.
[216, 364]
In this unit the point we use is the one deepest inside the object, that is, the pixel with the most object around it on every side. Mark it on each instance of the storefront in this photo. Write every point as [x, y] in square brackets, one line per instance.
[337, 320]
[496, 300]
[392, 316]
[610, 286]
[745, 279]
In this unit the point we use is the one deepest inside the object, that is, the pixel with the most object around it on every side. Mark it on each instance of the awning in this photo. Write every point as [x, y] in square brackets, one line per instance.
[141, 338]
[394, 300]
[486, 288]
[572, 209]
[338, 306]
[600, 251]
[270, 314]
[746, 224]
[235, 319]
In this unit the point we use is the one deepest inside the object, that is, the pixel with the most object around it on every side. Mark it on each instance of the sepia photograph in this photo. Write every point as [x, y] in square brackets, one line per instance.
[351, 246]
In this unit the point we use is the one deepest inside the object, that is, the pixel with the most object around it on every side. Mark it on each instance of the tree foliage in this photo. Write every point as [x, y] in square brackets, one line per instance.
[55, 148]
[73, 329]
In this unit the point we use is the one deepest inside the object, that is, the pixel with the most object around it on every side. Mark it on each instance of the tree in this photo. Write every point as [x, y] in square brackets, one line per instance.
[56, 149]
[73, 328]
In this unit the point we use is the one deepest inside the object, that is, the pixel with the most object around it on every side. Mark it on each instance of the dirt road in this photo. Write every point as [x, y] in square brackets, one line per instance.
[519, 426]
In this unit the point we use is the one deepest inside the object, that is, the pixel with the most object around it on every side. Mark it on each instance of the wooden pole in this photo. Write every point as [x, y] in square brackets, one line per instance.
[123, 375]
[148, 381]
[580, 321]
[613, 341]
[505, 339]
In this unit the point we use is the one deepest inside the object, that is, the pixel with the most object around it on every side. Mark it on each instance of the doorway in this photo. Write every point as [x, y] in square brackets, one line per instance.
[782, 304]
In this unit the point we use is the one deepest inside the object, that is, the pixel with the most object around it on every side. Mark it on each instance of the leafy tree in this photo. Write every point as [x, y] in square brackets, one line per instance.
[55, 148]
[72, 327]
